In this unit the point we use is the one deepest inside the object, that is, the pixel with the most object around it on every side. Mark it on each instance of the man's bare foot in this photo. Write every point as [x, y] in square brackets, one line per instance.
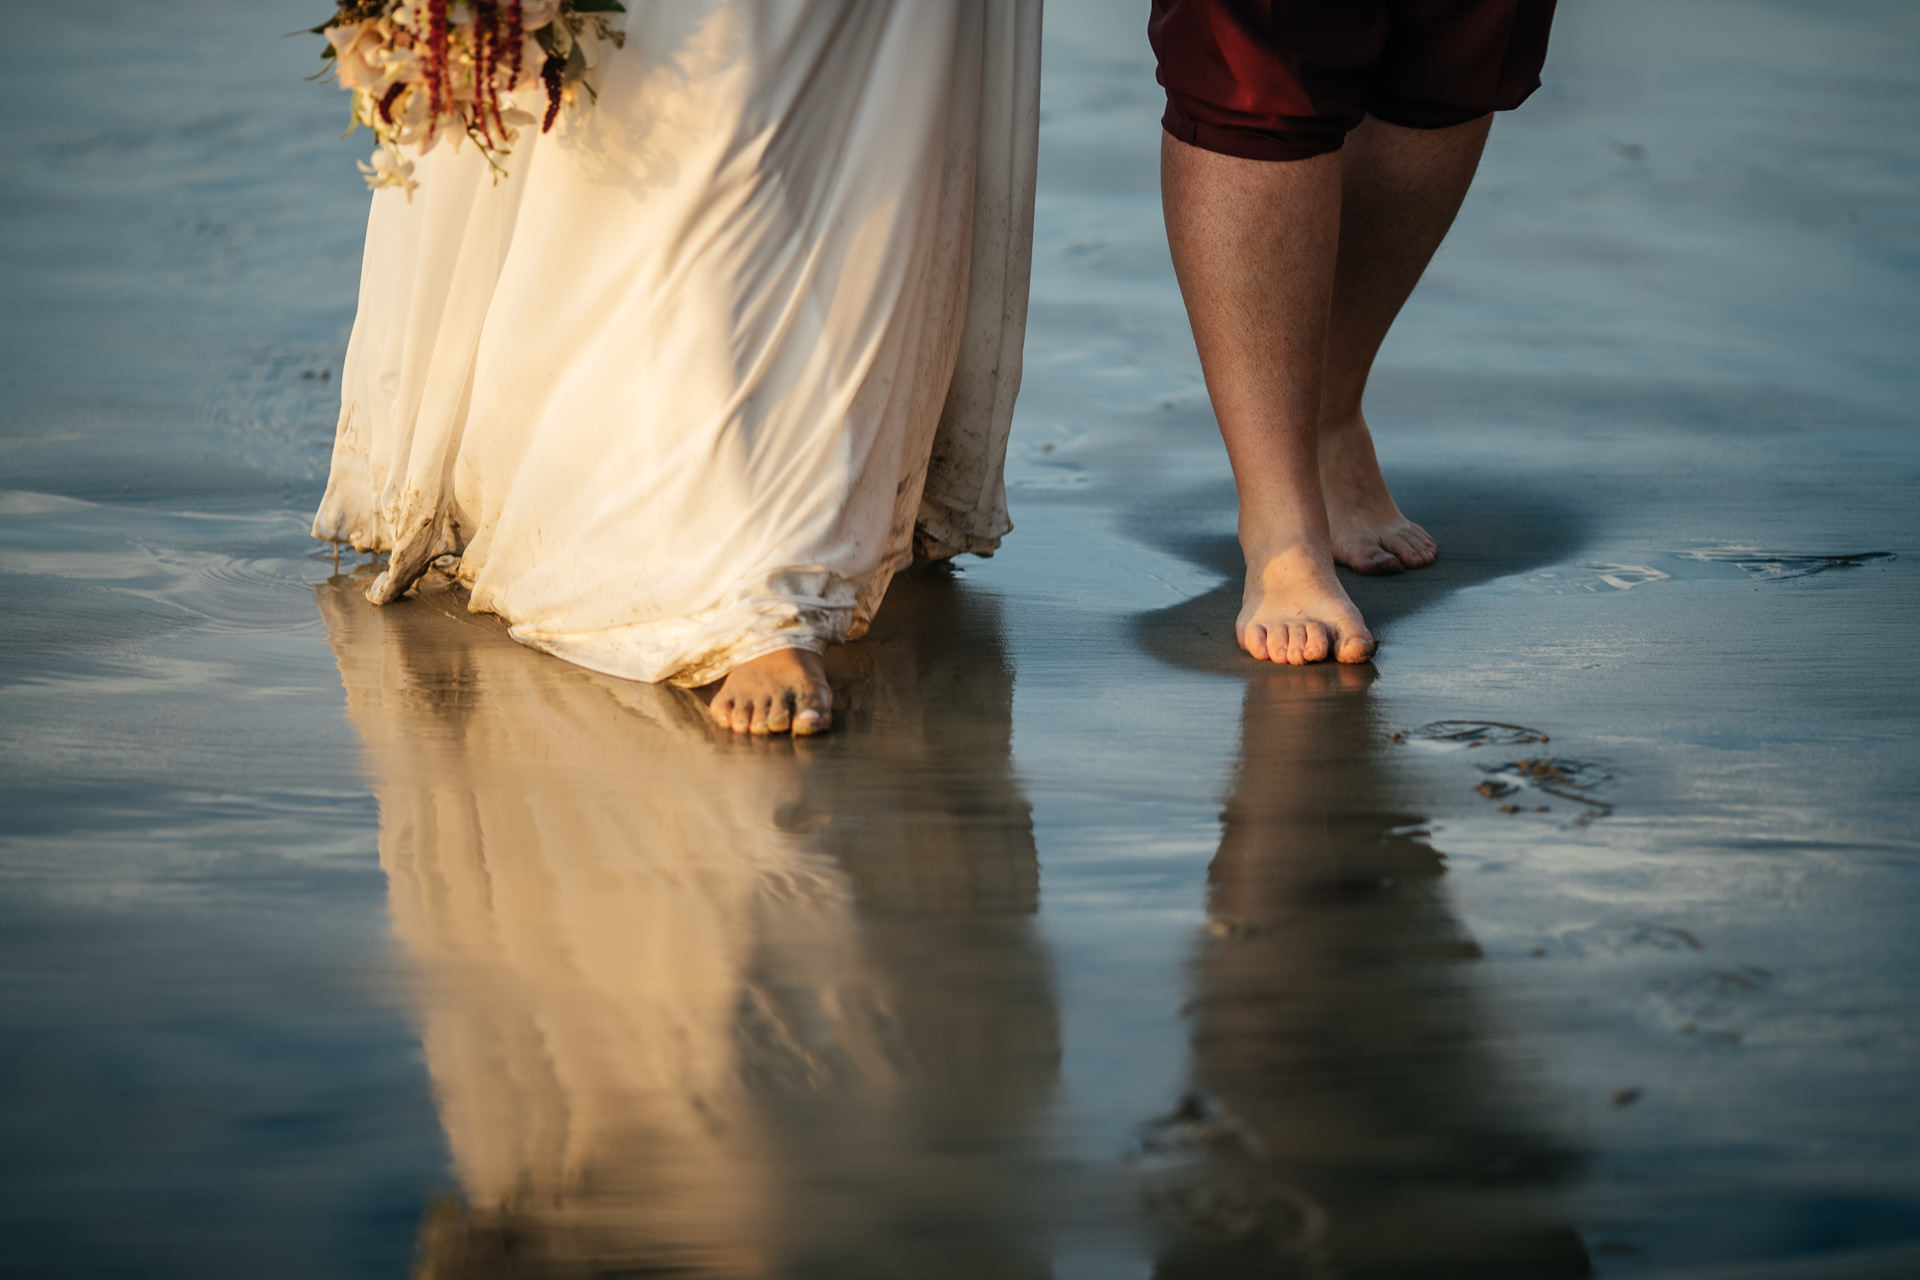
[1370, 535]
[1295, 611]
[784, 691]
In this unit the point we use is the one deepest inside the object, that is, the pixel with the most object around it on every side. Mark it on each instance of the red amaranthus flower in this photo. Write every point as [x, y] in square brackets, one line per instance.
[437, 77]
[414, 66]
[516, 27]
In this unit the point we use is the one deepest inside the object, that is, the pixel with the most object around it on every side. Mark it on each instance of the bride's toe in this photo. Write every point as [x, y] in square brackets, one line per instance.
[812, 713]
[779, 716]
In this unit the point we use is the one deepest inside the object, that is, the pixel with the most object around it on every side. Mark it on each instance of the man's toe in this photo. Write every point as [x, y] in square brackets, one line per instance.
[1297, 643]
[1420, 548]
[1372, 557]
[1277, 643]
[1253, 638]
[1317, 643]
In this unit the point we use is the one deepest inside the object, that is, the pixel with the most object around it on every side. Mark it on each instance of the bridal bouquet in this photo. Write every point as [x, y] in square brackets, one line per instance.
[419, 70]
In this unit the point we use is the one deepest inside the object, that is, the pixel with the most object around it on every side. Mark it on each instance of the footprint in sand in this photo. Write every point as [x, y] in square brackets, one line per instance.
[1625, 577]
[1706, 1002]
[1573, 780]
[1568, 779]
[1776, 565]
[1694, 997]
[1769, 566]
[1627, 937]
[1596, 577]
[1473, 733]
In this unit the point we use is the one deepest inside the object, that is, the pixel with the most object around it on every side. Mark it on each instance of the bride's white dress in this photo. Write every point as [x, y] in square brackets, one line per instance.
[723, 351]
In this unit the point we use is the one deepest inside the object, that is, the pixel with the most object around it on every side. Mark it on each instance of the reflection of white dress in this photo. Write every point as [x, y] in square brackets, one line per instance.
[610, 937]
[723, 351]
[661, 1036]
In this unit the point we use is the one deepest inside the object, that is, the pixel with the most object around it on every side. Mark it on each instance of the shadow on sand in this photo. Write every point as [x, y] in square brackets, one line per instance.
[1486, 531]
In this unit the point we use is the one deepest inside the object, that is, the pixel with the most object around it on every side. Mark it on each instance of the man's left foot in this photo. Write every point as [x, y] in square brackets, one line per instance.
[1369, 533]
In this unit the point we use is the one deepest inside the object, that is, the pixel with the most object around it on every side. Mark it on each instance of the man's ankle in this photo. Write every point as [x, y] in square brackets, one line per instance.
[1297, 546]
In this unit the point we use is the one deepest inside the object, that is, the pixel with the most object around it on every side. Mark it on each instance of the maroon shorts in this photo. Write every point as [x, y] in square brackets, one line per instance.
[1287, 79]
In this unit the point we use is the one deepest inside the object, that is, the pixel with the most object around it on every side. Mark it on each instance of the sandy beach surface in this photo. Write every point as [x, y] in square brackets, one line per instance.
[1575, 935]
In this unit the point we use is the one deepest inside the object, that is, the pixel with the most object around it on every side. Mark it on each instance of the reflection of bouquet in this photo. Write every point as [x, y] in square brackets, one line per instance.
[421, 68]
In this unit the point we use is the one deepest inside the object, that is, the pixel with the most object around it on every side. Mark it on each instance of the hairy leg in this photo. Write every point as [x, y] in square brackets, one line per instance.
[1253, 245]
[1400, 189]
[784, 691]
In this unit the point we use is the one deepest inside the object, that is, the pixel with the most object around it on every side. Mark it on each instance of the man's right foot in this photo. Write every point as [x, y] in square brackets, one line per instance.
[1295, 611]
[1369, 533]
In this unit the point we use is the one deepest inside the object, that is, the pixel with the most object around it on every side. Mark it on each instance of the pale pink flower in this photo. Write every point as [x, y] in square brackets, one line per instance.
[356, 45]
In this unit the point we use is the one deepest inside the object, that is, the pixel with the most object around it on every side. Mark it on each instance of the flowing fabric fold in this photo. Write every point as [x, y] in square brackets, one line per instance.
[724, 352]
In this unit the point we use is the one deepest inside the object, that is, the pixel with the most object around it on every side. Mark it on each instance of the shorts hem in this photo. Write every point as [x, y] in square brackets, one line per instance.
[1409, 114]
[1248, 143]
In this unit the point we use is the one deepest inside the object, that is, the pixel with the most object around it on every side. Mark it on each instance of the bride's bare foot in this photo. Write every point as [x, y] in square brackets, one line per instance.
[784, 691]
[1370, 535]
[1295, 611]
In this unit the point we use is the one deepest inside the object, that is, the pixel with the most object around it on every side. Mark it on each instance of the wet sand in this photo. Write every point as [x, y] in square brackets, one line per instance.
[1572, 936]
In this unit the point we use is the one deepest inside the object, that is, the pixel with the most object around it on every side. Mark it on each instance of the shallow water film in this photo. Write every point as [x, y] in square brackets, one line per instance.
[1573, 936]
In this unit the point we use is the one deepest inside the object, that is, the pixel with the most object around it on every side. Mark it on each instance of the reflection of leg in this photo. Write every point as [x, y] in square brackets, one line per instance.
[1399, 191]
[1253, 245]
[779, 692]
[1349, 1116]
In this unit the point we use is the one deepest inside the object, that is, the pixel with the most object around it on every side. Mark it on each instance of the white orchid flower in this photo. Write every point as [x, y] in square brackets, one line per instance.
[389, 169]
